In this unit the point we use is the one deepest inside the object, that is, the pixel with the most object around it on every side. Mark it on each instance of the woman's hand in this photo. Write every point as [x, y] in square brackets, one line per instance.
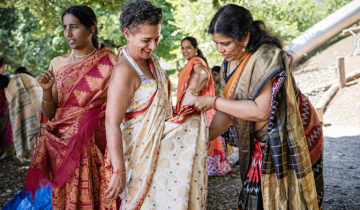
[117, 186]
[46, 80]
[202, 103]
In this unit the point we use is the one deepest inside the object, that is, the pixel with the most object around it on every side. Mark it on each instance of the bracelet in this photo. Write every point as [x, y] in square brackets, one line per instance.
[119, 172]
[47, 101]
[214, 101]
[196, 93]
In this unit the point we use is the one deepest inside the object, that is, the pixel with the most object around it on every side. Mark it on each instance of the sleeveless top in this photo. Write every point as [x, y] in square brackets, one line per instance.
[146, 90]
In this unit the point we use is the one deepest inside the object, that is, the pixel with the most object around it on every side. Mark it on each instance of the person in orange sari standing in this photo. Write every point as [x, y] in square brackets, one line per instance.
[196, 79]
[69, 154]
[280, 135]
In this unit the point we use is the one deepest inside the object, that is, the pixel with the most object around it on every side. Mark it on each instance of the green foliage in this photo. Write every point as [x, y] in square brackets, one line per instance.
[192, 19]
[50, 10]
[31, 31]
[22, 45]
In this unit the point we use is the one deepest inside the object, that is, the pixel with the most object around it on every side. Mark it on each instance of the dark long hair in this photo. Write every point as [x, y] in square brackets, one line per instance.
[194, 43]
[4, 81]
[236, 22]
[2, 61]
[23, 70]
[87, 17]
[139, 12]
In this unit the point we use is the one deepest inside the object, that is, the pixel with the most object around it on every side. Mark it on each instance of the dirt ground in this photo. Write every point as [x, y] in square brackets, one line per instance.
[341, 142]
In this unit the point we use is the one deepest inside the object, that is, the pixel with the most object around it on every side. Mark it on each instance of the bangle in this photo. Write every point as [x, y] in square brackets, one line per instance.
[119, 172]
[196, 93]
[214, 101]
[48, 101]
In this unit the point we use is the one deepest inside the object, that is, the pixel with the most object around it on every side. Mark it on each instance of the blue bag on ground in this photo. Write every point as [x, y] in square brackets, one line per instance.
[22, 200]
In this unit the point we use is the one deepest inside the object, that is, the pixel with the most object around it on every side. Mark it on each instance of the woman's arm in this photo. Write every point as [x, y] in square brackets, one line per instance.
[49, 99]
[219, 124]
[121, 90]
[198, 79]
[256, 111]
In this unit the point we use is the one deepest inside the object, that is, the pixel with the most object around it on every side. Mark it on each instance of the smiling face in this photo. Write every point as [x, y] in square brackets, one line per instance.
[76, 34]
[143, 40]
[188, 50]
[230, 48]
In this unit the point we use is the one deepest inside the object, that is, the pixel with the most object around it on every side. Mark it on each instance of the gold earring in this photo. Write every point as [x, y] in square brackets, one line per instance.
[243, 49]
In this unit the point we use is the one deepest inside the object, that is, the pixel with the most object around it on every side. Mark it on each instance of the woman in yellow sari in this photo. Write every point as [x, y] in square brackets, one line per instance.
[69, 154]
[152, 163]
[279, 133]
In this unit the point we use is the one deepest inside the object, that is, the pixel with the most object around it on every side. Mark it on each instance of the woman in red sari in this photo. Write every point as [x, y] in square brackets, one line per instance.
[69, 154]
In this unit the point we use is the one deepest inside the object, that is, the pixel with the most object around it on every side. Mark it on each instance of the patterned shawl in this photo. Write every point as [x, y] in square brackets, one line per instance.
[79, 118]
[24, 97]
[287, 178]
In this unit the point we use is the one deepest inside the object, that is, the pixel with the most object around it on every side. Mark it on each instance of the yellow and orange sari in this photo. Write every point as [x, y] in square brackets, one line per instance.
[69, 154]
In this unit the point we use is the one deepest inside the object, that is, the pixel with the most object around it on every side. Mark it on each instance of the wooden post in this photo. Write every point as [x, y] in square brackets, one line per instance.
[341, 65]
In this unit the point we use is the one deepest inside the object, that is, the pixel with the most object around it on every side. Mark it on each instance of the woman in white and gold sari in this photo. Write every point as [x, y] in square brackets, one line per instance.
[154, 160]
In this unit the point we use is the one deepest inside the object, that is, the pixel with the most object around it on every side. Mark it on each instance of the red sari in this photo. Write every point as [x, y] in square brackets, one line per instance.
[69, 154]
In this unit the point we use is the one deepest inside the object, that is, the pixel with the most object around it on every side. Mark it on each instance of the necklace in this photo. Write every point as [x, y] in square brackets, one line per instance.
[73, 55]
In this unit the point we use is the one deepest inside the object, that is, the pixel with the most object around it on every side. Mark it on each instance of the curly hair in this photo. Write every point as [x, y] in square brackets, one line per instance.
[139, 12]
[236, 22]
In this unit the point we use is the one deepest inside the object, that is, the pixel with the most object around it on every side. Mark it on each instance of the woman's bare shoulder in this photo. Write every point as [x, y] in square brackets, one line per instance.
[60, 61]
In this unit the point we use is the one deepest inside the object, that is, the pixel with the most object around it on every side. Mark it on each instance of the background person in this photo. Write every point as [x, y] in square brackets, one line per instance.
[195, 78]
[23, 70]
[6, 138]
[24, 98]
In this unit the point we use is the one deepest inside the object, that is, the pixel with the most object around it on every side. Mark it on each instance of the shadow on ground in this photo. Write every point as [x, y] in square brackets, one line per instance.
[341, 177]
